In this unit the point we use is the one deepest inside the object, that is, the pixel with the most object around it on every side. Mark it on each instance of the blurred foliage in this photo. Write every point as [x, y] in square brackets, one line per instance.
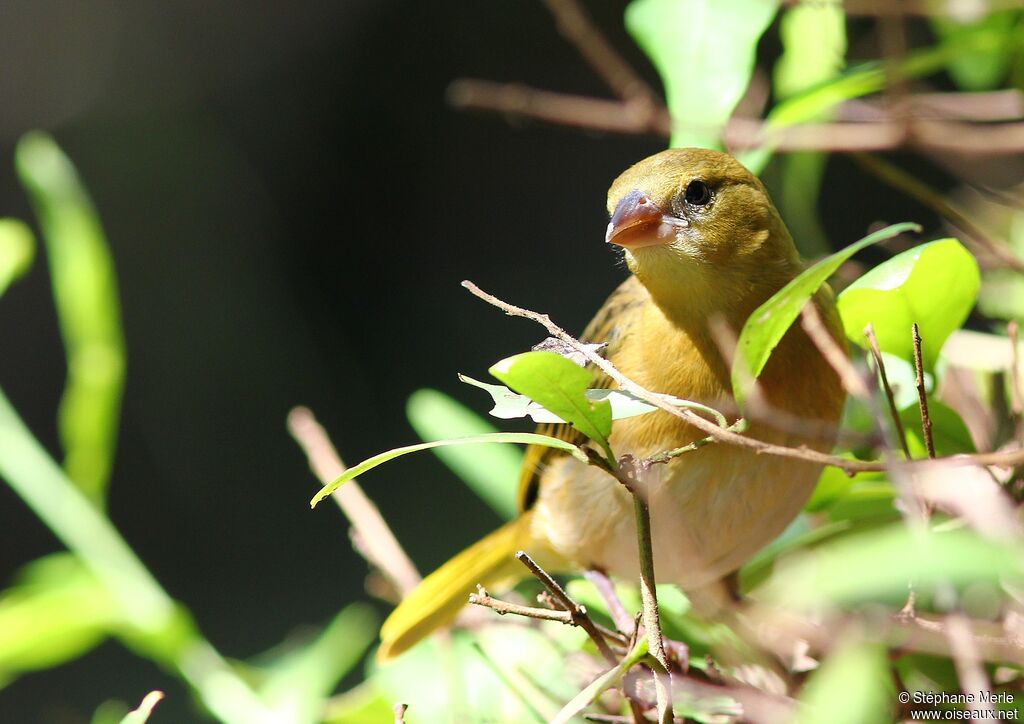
[843, 568]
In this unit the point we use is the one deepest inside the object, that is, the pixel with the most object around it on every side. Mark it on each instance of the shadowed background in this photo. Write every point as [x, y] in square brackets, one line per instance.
[291, 206]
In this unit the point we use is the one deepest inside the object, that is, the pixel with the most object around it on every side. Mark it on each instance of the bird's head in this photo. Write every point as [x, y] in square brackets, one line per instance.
[699, 230]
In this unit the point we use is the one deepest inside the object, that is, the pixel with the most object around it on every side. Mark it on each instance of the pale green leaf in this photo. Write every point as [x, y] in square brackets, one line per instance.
[878, 564]
[525, 438]
[769, 322]
[509, 405]
[85, 293]
[602, 683]
[17, 248]
[705, 52]
[852, 686]
[982, 68]
[560, 386]
[300, 681]
[934, 285]
[813, 46]
[491, 471]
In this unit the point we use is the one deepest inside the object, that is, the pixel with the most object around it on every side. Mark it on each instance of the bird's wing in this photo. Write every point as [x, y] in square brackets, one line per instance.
[610, 326]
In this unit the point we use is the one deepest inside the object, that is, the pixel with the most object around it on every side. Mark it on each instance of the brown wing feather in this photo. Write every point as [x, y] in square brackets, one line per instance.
[609, 326]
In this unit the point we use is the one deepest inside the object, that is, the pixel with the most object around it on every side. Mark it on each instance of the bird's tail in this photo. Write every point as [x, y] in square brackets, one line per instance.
[438, 598]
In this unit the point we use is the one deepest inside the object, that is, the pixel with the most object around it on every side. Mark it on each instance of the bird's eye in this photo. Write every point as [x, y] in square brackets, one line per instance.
[697, 193]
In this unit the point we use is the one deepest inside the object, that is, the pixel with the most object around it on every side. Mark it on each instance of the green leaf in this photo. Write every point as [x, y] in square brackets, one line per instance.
[17, 248]
[602, 683]
[877, 565]
[949, 432]
[560, 386]
[852, 686]
[142, 714]
[813, 47]
[769, 322]
[704, 75]
[934, 284]
[985, 67]
[490, 471]
[85, 293]
[525, 438]
[300, 681]
[55, 612]
[509, 405]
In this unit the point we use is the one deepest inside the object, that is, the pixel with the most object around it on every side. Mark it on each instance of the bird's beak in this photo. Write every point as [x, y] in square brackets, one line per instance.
[638, 221]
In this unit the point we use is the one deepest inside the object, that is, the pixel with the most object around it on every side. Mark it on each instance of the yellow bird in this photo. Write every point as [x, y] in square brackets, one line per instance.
[706, 247]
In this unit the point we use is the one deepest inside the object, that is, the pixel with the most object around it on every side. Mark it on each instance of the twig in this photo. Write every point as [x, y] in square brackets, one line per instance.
[976, 236]
[606, 589]
[632, 474]
[577, 613]
[577, 27]
[922, 396]
[613, 116]
[377, 542]
[482, 598]
[399, 710]
[1006, 458]
[810, 320]
[967, 661]
[876, 353]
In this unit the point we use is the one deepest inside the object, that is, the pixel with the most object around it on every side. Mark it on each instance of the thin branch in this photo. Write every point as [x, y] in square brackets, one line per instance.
[482, 598]
[576, 25]
[810, 320]
[376, 540]
[632, 474]
[577, 613]
[606, 589]
[921, 192]
[967, 661]
[922, 396]
[1006, 458]
[876, 353]
[613, 116]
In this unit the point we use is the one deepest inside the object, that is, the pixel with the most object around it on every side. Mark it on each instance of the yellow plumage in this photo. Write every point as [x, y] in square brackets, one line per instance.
[706, 248]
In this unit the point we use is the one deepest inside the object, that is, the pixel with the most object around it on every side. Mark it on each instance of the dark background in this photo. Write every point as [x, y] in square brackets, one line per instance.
[291, 207]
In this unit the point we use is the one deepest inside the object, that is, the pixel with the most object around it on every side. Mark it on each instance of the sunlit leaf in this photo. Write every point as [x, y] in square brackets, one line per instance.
[491, 471]
[934, 285]
[365, 702]
[525, 438]
[85, 293]
[704, 77]
[560, 386]
[17, 248]
[852, 686]
[142, 713]
[769, 322]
